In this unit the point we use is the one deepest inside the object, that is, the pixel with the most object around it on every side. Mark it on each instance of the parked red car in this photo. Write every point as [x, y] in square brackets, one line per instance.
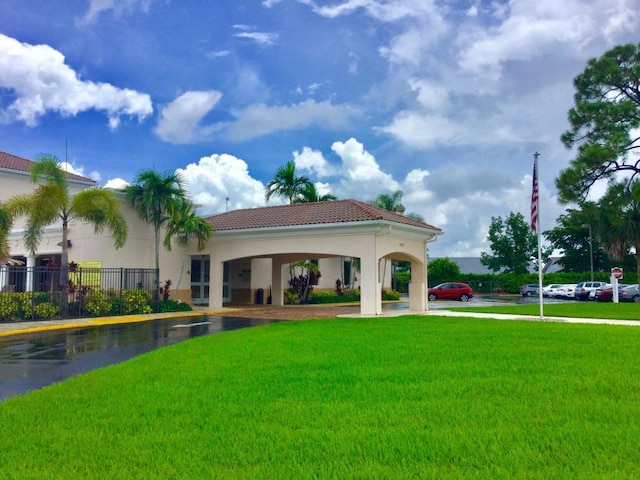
[605, 294]
[451, 291]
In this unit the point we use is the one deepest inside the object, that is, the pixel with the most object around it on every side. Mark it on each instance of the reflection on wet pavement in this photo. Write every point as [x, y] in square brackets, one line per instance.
[32, 361]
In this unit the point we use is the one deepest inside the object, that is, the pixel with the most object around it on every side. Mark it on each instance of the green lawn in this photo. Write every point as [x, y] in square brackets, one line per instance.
[407, 397]
[607, 310]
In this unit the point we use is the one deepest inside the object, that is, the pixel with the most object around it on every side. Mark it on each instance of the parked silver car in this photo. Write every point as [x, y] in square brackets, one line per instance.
[583, 289]
[629, 293]
[529, 290]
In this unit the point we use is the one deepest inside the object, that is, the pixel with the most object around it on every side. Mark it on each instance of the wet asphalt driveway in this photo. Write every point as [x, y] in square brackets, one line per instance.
[32, 361]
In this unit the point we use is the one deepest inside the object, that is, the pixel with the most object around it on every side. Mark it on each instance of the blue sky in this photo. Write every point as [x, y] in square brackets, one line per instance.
[446, 100]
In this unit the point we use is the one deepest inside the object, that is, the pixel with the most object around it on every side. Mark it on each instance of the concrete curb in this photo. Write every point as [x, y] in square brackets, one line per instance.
[20, 328]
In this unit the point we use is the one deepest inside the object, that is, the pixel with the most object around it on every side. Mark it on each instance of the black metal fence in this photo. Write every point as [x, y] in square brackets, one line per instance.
[90, 291]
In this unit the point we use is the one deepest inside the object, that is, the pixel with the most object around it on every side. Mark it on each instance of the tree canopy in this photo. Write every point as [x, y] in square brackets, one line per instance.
[512, 244]
[309, 193]
[392, 203]
[604, 122]
[5, 227]
[619, 221]
[442, 270]
[186, 224]
[286, 183]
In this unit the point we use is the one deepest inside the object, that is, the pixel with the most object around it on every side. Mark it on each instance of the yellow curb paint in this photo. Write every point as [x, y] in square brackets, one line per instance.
[96, 322]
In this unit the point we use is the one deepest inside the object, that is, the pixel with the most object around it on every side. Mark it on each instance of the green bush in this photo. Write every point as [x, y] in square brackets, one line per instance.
[324, 296]
[169, 305]
[136, 301]
[9, 306]
[99, 302]
[291, 297]
[391, 295]
[45, 311]
[18, 306]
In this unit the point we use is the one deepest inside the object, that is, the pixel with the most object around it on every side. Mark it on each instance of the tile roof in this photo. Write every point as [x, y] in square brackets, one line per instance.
[299, 214]
[19, 164]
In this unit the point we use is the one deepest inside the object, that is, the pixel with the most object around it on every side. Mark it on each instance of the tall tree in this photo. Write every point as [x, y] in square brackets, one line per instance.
[52, 202]
[618, 227]
[604, 122]
[157, 197]
[309, 194]
[442, 270]
[512, 243]
[186, 224]
[571, 236]
[286, 183]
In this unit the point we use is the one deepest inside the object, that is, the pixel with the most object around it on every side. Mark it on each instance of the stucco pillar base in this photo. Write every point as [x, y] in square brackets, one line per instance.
[277, 294]
[417, 297]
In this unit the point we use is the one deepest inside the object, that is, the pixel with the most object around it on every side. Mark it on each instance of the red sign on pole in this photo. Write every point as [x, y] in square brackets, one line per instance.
[616, 272]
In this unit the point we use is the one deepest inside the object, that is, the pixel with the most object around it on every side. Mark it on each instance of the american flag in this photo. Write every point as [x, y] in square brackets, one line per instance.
[534, 198]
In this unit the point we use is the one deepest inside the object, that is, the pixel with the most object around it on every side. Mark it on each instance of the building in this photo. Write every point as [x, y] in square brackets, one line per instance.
[250, 250]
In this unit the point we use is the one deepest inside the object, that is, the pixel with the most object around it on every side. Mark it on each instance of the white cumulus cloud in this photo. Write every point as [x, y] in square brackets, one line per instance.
[220, 176]
[261, 119]
[180, 120]
[41, 82]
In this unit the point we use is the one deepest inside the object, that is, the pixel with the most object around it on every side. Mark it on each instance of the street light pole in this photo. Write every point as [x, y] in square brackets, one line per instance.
[586, 225]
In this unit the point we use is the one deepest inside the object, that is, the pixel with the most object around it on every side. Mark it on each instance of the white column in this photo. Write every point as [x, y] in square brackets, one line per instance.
[417, 288]
[277, 294]
[31, 263]
[4, 276]
[370, 294]
[215, 283]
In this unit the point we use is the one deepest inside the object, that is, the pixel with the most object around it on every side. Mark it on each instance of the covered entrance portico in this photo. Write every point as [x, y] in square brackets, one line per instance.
[349, 228]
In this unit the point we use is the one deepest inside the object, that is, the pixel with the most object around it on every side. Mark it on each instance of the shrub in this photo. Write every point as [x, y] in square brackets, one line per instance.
[291, 297]
[391, 295]
[174, 306]
[98, 303]
[324, 296]
[136, 301]
[9, 306]
[45, 310]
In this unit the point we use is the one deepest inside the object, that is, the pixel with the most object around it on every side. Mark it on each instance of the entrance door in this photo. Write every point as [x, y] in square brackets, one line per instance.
[200, 272]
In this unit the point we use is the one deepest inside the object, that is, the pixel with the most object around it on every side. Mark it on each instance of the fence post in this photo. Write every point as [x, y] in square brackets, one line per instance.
[121, 288]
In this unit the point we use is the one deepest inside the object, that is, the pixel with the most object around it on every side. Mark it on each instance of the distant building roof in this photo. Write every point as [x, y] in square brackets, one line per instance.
[299, 214]
[474, 265]
[19, 164]
[469, 264]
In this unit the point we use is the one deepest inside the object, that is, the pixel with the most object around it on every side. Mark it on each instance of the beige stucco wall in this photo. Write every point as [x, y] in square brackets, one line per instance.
[371, 243]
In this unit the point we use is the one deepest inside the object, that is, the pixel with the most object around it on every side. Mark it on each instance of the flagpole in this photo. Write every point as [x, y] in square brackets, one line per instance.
[537, 224]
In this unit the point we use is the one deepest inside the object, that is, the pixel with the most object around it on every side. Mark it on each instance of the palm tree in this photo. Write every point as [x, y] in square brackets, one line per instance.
[286, 184]
[310, 194]
[618, 225]
[186, 224]
[52, 202]
[157, 197]
[391, 202]
[5, 227]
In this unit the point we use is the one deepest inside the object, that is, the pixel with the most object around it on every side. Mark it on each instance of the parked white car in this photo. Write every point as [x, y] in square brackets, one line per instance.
[551, 290]
[567, 291]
